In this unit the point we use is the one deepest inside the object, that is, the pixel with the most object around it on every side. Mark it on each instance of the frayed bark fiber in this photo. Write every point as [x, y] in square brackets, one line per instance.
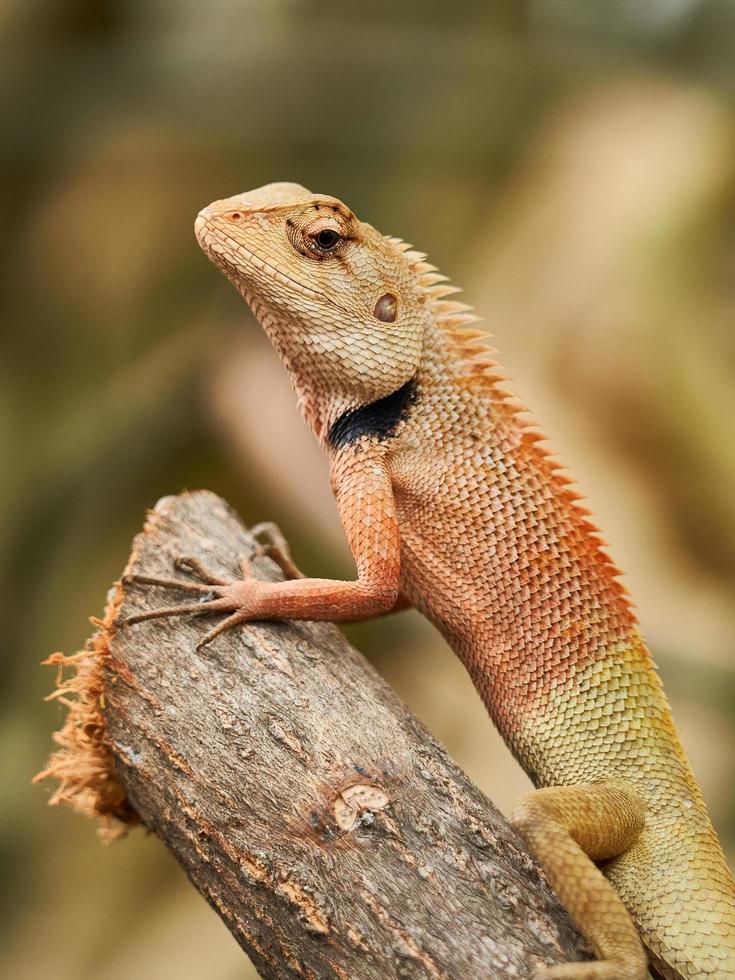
[317, 816]
[83, 763]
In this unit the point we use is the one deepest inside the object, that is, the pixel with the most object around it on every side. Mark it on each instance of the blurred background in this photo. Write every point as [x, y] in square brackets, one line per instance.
[570, 164]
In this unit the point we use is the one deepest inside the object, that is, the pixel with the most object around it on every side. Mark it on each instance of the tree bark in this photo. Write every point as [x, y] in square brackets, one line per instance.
[320, 819]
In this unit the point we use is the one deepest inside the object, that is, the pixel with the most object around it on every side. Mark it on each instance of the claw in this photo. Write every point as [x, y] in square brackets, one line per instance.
[189, 608]
[169, 583]
[276, 548]
[228, 623]
[195, 566]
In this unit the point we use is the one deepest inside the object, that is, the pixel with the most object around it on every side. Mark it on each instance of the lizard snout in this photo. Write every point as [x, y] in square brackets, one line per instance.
[200, 224]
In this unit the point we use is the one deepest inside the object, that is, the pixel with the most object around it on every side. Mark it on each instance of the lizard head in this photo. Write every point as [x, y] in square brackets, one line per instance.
[340, 301]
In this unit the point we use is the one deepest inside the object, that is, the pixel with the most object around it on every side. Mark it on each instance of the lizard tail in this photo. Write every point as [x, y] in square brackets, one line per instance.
[681, 894]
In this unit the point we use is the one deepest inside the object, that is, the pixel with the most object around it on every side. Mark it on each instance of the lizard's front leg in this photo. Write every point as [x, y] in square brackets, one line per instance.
[364, 494]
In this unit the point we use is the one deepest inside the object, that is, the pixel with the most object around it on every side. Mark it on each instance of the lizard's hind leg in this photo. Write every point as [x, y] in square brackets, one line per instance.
[568, 828]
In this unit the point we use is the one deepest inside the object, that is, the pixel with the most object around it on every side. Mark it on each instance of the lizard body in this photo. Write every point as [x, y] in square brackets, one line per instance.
[452, 503]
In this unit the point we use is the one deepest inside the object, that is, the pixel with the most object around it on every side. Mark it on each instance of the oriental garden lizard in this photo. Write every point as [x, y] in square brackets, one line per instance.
[452, 503]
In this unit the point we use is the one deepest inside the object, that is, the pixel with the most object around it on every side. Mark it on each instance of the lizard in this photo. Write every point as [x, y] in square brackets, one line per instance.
[452, 503]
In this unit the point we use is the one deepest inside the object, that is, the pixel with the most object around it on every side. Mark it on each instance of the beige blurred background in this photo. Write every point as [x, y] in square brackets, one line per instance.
[570, 164]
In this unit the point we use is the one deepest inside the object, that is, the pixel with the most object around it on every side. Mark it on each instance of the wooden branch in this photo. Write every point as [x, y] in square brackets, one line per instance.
[320, 819]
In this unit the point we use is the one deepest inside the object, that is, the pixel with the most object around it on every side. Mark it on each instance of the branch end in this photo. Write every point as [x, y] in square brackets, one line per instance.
[83, 763]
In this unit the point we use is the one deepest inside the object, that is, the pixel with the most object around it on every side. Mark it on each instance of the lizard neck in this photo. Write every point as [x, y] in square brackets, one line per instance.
[363, 392]
[320, 408]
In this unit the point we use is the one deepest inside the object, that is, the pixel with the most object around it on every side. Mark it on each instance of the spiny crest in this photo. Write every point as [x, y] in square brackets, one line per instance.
[474, 352]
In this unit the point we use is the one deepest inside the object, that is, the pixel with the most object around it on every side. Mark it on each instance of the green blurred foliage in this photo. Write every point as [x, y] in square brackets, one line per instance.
[569, 162]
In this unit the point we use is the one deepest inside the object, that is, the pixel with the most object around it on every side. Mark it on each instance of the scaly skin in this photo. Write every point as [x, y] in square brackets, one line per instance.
[451, 503]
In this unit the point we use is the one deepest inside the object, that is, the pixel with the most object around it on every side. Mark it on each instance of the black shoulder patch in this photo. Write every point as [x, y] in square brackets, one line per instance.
[378, 419]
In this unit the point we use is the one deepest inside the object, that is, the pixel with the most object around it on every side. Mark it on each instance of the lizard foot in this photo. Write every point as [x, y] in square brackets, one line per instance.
[594, 970]
[241, 599]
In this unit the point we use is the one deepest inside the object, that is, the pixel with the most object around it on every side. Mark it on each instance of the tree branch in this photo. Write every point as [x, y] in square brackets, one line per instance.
[320, 819]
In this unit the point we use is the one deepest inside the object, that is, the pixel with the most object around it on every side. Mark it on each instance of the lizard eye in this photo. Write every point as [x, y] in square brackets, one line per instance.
[327, 239]
[322, 238]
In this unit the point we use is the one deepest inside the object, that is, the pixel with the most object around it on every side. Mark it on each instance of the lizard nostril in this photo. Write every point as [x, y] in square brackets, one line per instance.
[235, 216]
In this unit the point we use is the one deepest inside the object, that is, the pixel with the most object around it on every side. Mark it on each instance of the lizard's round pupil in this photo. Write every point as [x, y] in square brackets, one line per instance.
[327, 238]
